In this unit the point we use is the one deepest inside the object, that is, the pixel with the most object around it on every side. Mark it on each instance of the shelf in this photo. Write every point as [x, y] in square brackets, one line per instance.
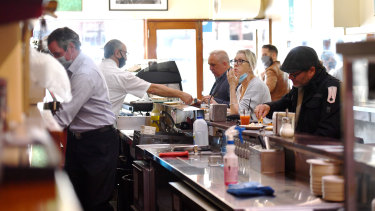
[370, 109]
[313, 145]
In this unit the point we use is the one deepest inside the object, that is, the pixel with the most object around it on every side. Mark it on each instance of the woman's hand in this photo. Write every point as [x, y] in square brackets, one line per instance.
[232, 79]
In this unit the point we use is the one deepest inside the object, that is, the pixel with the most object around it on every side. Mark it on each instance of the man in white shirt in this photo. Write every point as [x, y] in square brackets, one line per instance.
[120, 83]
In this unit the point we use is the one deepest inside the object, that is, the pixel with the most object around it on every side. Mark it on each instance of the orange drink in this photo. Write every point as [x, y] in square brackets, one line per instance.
[245, 120]
[245, 117]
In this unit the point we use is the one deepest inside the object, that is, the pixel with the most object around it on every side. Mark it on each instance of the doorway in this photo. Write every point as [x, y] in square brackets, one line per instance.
[180, 41]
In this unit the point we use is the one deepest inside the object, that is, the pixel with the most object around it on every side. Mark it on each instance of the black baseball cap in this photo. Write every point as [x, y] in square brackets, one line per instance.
[300, 58]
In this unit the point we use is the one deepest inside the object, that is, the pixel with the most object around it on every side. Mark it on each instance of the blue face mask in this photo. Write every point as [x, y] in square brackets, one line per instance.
[242, 77]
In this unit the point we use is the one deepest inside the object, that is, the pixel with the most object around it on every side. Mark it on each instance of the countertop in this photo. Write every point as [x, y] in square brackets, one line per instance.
[305, 143]
[207, 179]
[33, 180]
[56, 194]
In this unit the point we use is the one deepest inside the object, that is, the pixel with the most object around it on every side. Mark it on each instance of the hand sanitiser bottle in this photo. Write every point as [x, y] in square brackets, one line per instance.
[230, 158]
[200, 132]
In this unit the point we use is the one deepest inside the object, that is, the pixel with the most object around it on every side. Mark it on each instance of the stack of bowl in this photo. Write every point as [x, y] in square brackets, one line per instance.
[333, 188]
[318, 169]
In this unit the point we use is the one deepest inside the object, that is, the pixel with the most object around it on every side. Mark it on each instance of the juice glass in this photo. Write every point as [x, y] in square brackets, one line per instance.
[245, 117]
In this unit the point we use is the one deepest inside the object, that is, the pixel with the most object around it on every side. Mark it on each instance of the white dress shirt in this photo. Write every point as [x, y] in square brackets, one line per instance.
[120, 83]
[90, 107]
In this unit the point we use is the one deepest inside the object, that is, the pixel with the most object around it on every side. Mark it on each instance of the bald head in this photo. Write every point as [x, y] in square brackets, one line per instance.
[219, 62]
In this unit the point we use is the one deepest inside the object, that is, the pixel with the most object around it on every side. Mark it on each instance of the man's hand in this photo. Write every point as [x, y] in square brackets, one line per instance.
[186, 98]
[262, 110]
[208, 99]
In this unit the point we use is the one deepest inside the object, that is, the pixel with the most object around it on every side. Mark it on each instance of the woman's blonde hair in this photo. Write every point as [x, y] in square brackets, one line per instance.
[250, 56]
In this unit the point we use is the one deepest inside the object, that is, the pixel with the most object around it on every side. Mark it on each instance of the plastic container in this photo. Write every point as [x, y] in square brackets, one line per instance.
[230, 165]
[200, 132]
[230, 159]
[155, 117]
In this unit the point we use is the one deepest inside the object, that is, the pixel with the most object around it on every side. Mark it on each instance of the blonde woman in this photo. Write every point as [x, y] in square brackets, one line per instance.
[251, 90]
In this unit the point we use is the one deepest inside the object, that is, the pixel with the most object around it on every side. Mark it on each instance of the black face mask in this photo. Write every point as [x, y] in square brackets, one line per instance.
[267, 61]
[121, 62]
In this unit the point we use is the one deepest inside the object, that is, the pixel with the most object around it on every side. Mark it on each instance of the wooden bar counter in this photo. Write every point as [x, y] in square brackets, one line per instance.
[56, 194]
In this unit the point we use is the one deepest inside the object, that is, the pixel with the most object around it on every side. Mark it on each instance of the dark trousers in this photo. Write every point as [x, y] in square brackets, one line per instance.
[90, 162]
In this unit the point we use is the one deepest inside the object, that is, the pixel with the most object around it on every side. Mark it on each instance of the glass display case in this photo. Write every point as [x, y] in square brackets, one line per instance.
[359, 123]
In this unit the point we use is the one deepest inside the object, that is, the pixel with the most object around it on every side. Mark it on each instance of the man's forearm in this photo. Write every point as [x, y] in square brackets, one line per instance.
[164, 91]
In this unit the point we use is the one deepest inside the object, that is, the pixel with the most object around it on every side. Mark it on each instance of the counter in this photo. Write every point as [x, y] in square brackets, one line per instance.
[56, 194]
[33, 180]
[207, 180]
[304, 143]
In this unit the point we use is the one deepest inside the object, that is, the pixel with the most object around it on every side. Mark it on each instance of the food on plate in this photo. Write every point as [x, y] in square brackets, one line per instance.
[260, 120]
[255, 124]
[269, 127]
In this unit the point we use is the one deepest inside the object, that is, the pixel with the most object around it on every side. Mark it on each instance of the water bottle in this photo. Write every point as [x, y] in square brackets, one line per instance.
[200, 132]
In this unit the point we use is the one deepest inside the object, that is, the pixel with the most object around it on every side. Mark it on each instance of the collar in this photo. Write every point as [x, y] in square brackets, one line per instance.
[223, 76]
[315, 81]
[110, 62]
[77, 62]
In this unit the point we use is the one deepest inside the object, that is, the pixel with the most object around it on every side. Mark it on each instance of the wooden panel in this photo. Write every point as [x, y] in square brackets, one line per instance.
[11, 69]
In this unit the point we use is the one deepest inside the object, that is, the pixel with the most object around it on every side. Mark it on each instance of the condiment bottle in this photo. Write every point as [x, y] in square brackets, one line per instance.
[286, 129]
[155, 117]
[230, 158]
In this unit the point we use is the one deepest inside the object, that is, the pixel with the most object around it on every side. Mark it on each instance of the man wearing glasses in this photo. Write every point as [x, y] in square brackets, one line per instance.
[92, 141]
[120, 82]
[314, 97]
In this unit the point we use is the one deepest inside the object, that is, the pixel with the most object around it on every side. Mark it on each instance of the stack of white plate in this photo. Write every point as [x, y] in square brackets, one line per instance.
[333, 188]
[318, 169]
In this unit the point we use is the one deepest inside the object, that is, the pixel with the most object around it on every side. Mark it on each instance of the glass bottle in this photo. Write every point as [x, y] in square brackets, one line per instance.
[286, 129]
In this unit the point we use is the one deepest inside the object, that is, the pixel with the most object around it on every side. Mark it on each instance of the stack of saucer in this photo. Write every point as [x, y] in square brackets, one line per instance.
[318, 169]
[333, 188]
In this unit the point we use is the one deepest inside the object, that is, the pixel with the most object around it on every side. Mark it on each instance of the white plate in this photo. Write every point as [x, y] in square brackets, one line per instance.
[172, 103]
[253, 127]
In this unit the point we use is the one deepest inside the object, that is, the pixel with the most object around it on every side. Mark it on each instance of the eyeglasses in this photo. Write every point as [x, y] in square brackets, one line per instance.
[238, 62]
[295, 74]
[126, 53]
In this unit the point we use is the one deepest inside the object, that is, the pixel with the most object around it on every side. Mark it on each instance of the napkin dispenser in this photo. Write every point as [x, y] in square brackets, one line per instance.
[277, 120]
[267, 160]
[218, 112]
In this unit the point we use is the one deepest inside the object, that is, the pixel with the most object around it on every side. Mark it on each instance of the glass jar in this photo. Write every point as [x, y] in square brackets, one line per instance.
[286, 129]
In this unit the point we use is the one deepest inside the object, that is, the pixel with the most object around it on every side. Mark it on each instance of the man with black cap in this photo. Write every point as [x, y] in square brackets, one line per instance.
[314, 97]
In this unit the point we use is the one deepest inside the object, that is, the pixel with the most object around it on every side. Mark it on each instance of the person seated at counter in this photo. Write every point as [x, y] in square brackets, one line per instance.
[251, 90]
[314, 97]
[120, 82]
[219, 65]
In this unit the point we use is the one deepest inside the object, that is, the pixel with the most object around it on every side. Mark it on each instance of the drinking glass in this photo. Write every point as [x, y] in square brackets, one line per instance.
[245, 117]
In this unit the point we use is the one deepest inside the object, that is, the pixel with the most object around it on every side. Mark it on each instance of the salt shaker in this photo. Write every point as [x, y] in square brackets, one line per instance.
[286, 129]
